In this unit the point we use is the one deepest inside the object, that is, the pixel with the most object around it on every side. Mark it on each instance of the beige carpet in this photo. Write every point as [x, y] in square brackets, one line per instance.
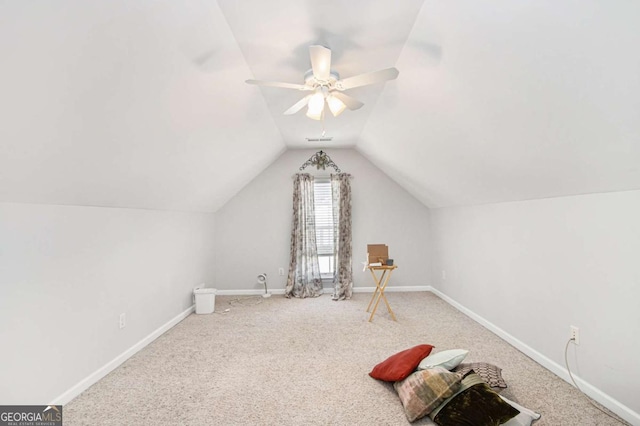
[306, 362]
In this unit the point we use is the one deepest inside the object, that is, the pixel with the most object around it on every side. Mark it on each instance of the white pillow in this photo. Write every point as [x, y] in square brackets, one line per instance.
[525, 418]
[446, 359]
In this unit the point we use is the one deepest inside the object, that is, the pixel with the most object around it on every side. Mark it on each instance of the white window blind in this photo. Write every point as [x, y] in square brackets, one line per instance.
[324, 223]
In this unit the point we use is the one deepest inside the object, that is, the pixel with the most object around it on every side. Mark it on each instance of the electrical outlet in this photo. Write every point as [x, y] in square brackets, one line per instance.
[444, 274]
[574, 334]
[281, 272]
[123, 320]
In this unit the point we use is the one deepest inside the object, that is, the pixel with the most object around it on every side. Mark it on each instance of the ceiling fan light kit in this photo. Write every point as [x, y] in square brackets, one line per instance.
[336, 106]
[327, 86]
[315, 106]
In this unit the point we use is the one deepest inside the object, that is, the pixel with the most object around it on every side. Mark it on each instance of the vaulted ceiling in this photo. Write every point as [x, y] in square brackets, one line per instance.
[144, 104]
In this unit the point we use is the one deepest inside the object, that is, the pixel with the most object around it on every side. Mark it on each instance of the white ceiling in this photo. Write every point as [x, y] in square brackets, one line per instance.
[143, 103]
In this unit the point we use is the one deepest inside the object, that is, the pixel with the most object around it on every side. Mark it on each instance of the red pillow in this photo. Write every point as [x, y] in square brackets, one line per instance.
[399, 366]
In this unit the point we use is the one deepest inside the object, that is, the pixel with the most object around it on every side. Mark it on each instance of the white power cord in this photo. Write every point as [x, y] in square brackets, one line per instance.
[566, 363]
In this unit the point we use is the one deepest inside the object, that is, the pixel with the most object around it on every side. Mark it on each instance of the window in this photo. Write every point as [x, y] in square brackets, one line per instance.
[324, 226]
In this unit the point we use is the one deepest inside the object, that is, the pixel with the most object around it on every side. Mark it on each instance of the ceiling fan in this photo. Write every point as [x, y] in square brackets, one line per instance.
[327, 87]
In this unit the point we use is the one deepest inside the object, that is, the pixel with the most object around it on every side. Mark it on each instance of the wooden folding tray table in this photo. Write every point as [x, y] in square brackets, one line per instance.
[381, 284]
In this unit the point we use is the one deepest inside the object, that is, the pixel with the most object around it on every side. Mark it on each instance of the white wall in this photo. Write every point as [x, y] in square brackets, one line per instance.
[533, 268]
[253, 230]
[66, 273]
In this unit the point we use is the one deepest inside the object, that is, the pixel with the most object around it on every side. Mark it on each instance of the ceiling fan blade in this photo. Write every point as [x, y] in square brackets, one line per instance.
[368, 78]
[351, 103]
[298, 105]
[320, 62]
[279, 84]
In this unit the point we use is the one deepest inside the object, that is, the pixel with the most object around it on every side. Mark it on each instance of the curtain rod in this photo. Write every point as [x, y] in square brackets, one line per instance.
[321, 160]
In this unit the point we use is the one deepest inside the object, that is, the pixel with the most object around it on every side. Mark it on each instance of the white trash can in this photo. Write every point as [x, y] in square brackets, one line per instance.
[205, 300]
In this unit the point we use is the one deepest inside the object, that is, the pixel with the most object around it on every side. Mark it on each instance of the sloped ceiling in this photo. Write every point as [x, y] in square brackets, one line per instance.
[143, 103]
[127, 104]
[530, 99]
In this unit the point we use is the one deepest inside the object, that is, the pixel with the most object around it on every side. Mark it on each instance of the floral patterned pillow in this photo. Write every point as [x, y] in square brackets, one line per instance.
[424, 390]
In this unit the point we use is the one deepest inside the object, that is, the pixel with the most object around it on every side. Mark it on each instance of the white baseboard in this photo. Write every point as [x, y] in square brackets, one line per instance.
[620, 409]
[115, 363]
[327, 290]
[596, 394]
[94, 377]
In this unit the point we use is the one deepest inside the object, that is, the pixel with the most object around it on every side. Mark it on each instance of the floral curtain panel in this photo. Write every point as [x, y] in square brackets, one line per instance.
[304, 272]
[341, 199]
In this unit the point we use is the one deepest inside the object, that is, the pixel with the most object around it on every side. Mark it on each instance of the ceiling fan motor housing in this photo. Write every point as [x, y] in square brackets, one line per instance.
[311, 81]
[327, 86]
